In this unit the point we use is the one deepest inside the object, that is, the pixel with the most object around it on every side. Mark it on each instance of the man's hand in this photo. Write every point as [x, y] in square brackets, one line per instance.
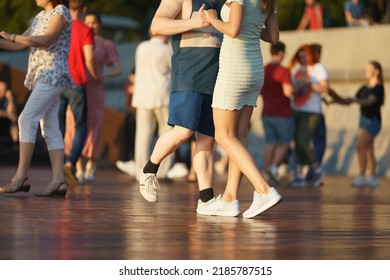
[199, 19]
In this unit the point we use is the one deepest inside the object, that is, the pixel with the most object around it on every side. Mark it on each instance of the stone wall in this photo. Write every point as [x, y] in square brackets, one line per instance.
[346, 52]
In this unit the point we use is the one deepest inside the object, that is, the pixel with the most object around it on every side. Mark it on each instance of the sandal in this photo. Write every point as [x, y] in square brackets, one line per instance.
[18, 186]
[54, 190]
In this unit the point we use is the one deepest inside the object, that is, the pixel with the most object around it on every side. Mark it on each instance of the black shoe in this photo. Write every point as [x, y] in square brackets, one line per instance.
[54, 190]
[14, 187]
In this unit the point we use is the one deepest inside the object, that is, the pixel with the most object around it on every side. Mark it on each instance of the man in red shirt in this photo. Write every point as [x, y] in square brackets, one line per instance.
[276, 114]
[81, 59]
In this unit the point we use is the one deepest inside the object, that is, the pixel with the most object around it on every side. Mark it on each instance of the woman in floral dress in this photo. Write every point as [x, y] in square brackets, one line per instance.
[105, 55]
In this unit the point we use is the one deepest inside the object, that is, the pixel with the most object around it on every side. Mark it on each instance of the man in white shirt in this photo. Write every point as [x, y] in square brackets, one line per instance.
[151, 98]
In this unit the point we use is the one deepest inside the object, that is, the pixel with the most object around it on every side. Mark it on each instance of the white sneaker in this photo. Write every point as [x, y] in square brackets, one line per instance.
[261, 203]
[372, 182]
[149, 186]
[90, 174]
[178, 170]
[127, 167]
[218, 207]
[80, 177]
[360, 181]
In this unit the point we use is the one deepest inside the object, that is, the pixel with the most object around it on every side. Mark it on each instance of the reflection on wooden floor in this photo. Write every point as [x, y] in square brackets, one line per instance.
[110, 220]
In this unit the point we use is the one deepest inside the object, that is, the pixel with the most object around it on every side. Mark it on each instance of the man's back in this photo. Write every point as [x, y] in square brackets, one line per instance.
[153, 74]
[275, 103]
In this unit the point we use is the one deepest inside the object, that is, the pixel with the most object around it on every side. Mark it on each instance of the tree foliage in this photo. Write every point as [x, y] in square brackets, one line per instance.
[15, 15]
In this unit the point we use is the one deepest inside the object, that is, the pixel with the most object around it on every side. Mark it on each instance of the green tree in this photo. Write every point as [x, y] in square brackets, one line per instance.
[15, 15]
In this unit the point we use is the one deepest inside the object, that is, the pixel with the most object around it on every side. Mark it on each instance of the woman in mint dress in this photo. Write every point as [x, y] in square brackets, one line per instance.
[240, 79]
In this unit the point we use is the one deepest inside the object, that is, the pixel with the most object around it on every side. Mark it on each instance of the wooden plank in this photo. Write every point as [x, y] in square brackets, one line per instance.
[108, 219]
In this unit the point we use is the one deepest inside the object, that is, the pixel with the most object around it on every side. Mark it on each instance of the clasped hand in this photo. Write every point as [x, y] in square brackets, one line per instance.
[204, 17]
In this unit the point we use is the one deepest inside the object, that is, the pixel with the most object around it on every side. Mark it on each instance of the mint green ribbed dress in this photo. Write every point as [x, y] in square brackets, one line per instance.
[241, 69]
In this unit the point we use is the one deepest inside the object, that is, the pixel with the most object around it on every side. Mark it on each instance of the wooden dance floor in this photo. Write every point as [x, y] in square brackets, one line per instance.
[109, 220]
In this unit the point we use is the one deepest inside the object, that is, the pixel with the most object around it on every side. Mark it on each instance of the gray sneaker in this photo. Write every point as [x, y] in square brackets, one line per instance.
[299, 182]
[149, 186]
[218, 207]
[317, 178]
[372, 182]
[360, 181]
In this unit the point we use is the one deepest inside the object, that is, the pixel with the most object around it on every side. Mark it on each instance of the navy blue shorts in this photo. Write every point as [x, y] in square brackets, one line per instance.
[192, 110]
[372, 126]
[278, 130]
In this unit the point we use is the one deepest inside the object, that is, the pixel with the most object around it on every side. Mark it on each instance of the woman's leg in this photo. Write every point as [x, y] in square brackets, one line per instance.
[234, 173]
[38, 105]
[26, 151]
[364, 140]
[371, 162]
[226, 135]
[51, 132]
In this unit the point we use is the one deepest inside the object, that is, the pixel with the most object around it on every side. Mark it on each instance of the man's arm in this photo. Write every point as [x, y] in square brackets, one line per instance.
[168, 19]
[90, 62]
[288, 89]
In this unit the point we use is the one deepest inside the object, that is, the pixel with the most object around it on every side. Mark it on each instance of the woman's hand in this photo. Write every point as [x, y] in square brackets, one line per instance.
[199, 19]
[210, 15]
[7, 36]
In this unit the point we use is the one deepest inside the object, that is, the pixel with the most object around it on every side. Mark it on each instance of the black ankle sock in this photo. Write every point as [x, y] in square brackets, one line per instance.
[150, 167]
[206, 194]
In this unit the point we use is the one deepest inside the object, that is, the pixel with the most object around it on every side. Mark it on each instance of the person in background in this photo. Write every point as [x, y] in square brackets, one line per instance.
[106, 55]
[81, 59]
[312, 17]
[48, 38]
[151, 98]
[311, 82]
[128, 166]
[355, 14]
[276, 115]
[319, 136]
[370, 97]
[8, 112]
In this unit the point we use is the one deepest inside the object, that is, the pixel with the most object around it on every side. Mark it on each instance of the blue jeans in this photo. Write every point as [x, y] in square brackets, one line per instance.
[319, 140]
[77, 99]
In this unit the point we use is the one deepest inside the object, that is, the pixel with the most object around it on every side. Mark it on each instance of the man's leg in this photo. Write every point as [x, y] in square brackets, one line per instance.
[166, 144]
[144, 135]
[203, 160]
[78, 105]
[161, 116]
